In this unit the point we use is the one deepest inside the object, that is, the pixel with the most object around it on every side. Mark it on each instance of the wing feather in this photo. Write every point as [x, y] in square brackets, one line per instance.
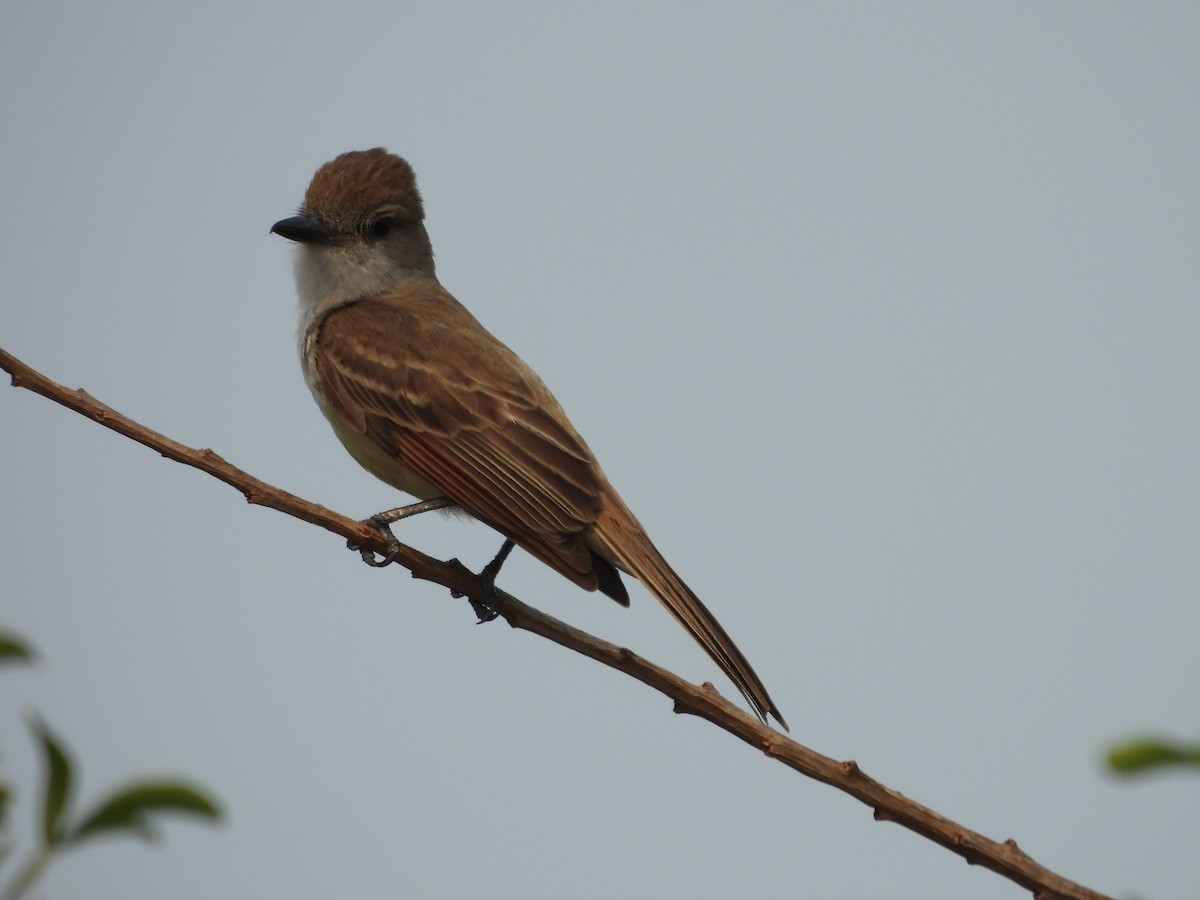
[469, 418]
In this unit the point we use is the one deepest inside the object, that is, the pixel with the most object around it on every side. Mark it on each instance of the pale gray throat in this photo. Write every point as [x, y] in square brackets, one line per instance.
[328, 277]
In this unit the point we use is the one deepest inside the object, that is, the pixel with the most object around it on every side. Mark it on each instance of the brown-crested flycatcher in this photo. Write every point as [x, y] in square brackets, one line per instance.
[428, 401]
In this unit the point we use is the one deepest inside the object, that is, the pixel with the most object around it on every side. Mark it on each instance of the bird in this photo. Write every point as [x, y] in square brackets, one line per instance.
[430, 402]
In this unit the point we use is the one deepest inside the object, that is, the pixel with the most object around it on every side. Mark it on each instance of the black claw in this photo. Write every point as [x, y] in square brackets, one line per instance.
[368, 556]
[484, 611]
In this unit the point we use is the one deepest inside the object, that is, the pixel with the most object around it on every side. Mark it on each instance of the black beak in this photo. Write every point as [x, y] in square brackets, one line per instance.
[304, 230]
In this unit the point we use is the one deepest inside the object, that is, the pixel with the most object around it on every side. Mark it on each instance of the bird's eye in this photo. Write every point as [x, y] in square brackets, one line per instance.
[380, 228]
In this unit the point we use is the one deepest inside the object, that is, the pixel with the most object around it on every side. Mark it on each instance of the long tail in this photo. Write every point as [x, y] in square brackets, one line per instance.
[620, 537]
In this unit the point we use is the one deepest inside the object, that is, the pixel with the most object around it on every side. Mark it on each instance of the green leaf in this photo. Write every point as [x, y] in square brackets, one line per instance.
[1136, 756]
[56, 795]
[13, 649]
[130, 809]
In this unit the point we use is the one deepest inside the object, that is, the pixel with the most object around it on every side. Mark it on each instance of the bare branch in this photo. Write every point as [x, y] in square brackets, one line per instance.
[1005, 858]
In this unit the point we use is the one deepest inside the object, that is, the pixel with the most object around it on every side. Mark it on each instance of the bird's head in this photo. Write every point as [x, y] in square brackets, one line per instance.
[360, 229]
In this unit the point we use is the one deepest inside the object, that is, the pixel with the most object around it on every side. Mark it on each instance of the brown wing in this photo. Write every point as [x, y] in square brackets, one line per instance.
[424, 381]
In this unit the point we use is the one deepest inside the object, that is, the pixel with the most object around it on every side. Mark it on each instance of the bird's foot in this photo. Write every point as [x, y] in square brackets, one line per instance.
[368, 556]
[485, 609]
[382, 520]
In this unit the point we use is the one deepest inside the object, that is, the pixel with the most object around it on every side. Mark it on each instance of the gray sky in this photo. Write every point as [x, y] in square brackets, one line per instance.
[882, 317]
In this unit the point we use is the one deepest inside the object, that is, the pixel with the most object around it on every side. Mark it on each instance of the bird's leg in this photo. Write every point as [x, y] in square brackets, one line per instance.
[487, 574]
[384, 519]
